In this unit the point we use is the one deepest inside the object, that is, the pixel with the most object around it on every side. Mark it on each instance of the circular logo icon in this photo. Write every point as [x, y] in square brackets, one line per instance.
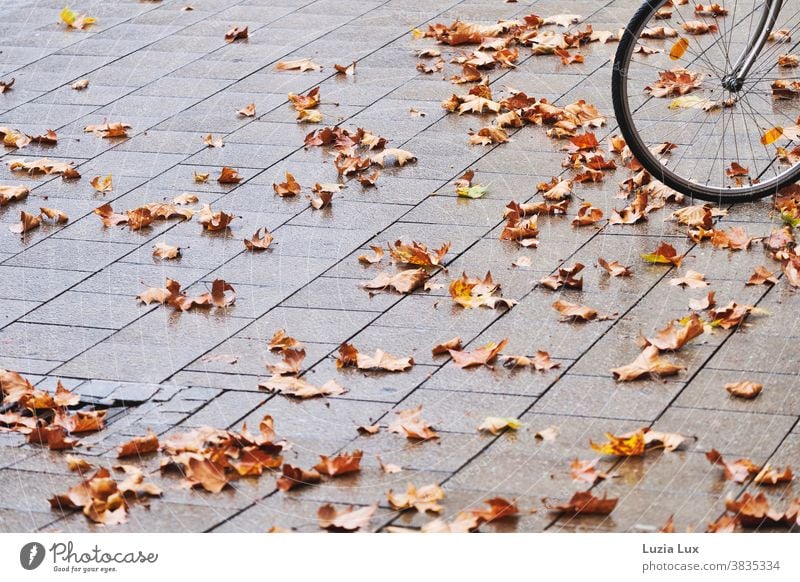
[31, 555]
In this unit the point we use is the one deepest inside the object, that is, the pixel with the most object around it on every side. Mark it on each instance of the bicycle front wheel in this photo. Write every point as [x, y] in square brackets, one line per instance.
[682, 118]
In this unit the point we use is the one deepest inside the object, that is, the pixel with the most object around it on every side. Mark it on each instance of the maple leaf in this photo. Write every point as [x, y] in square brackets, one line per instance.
[698, 215]
[346, 520]
[472, 191]
[288, 188]
[692, 279]
[403, 282]
[55, 437]
[201, 177]
[299, 388]
[280, 341]
[736, 239]
[80, 84]
[678, 81]
[564, 277]
[665, 254]
[109, 129]
[762, 276]
[401, 157]
[214, 221]
[236, 33]
[703, 303]
[45, 166]
[102, 184]
[341, 464]
[444, 348]
[770, 476]
[227, 176]
[375, 257]
[556, 190]
[422, 499]
[614, 268]
[74, 20]
[753, 511]
[368, 181]
[497, 424]
[162, 250]
[630, 445]
[473, 292]
[744, 389]
[522, 231]
[587, 215]
[647, 363]
[27, 222]
[292, 477]
[584, 503]
[213, 142]
[260, 241]
[348, 70]
[291, 364]
[731, 315]
[738, 471]
[78, 464]
[417, 253]
[10, 194]
[410, 424]
[320, 201]
[574, 312]
[301, 65]
[488, 135]
[672, 338]
[380, 361]
[586, 471]
[308, 101]
[482, 356]
[138, 446]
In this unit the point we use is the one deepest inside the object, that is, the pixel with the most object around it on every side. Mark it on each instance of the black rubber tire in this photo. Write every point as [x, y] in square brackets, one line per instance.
[640, 151]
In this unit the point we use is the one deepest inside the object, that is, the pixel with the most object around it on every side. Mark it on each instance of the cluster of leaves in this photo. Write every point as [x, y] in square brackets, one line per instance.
[52, 420]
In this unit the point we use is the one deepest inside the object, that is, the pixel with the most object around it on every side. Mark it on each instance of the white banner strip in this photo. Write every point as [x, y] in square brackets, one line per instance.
[462, 558]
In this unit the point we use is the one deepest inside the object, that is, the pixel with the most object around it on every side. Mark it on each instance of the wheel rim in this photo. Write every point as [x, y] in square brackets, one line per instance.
[709, 136]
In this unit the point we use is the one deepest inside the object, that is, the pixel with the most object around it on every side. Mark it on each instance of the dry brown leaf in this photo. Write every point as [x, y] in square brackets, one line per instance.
[574, 312]
[762, 276]
[375, 257]
[213, 142]
[138, 446]
[346, 520]
[738, 471]
[299, 388]
[27, 222]
[584, 503]
[341, 464]
[744, 389]
[614, 268]
[260, 240]
[482, 356]
[410, 424]
[236, 33]
[228, 176]
[471, 292]
[301, 65]
[496, 424]
[214, 221]
[292, 477]
[403, 282]
[162, 250]
[648, 363]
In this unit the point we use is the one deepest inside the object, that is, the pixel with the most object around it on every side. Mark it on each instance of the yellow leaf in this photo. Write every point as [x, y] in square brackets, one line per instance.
[678, 49]
[68, 16]
[622, 446]
[416, 33]
[772, 135]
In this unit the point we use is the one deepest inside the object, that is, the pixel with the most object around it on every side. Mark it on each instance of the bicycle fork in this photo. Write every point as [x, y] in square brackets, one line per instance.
[734, 80]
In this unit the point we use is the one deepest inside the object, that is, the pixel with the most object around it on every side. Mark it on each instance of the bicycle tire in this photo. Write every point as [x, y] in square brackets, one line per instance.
[645, 157]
